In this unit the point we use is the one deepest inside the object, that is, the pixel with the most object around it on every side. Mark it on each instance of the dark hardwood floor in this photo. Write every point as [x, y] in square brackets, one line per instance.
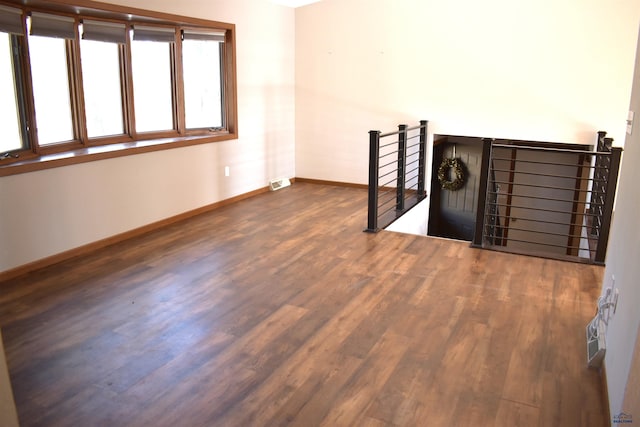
[279, 310]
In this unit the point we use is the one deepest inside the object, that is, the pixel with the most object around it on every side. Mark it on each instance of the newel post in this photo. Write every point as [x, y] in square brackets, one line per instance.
[607, 212]
[422, 159]
[482, 193]
[374, 156]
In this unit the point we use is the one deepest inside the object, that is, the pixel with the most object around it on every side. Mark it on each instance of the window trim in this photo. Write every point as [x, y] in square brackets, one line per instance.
[84, 149]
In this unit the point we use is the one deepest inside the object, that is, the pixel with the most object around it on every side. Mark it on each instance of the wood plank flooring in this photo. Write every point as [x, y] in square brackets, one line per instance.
[279, 310]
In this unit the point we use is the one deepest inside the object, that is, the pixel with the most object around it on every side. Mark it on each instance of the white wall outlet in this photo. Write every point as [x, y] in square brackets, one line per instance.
[630, 122]
[227, 171]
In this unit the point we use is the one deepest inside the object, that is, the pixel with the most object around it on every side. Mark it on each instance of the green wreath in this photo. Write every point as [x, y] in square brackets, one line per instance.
[443, 174]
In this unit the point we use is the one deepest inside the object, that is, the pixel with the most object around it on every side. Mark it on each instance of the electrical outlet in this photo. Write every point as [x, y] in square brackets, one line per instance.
[606, 304]
[227, 171]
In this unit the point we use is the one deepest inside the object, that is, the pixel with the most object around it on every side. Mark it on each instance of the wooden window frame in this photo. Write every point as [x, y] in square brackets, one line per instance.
[83, 149]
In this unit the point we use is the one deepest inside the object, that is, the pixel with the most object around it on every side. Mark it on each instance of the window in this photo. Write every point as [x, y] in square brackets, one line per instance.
[12, 139]
[152, 88]
[50, 77]
[72, 81]
[201, 54]
[100, 48]
[12, 117]
[102, 88]
[50, 80]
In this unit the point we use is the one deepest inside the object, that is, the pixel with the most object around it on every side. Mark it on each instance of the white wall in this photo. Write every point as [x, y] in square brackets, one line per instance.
[548, 70]
[51, 211]
[622, 262]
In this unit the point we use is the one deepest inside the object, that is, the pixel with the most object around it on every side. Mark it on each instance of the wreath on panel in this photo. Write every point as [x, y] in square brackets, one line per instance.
[457, 168]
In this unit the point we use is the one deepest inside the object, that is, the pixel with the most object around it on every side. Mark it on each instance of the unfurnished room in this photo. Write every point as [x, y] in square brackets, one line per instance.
[319, 213]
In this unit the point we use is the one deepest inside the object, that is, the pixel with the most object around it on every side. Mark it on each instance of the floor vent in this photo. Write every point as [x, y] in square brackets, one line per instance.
[276, 184]
[596, 346]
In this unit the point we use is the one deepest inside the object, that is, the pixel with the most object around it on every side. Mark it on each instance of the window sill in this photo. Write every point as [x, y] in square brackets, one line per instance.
[102, 152]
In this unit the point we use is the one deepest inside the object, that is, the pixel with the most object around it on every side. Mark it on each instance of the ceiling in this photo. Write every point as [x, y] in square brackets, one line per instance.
[294, 3]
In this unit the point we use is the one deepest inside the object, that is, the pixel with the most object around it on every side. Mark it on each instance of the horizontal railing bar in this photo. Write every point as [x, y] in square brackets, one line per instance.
[388, 173]
[590, 240]
[410, 186]
[549, 187]
[394, 162]
[392, 199]
[556, 150]
[387, 183]
[544, 174]
[594, 179]
[537, 243]
[413, 161]
[547, 198]
[549, 233]
[413, 137]
[409, 176]
[414, 188]
[386, 202]
[543, 221]
[384, 193]
[416, 127]
[504, 159]
[387, 154]
[539, 209]
[397, 132]
[550, 163]
[413, 170]
[388, 210]
[389, 144]
[587, 249]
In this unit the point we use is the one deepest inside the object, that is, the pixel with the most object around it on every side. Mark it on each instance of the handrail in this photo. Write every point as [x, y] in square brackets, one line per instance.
[553, 149]
[397, 132]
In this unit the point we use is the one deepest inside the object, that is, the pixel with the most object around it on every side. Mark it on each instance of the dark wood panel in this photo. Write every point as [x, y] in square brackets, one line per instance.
[279, 310]
[453, 213]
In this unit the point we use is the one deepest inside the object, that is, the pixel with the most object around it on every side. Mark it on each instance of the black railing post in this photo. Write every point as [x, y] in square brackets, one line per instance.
[600, 142]
[374, 156]
[482, 193]
[607, 213]
[422, 158]
[598, 185]
[402, 161]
